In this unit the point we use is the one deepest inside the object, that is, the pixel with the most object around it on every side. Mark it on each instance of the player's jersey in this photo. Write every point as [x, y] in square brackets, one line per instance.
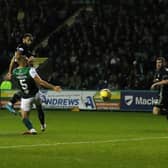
[26, 83]
[162, 74]
[24, 49]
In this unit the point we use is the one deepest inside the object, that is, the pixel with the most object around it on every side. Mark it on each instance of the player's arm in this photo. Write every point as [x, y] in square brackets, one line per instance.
[11, 65]
[42, 82]
[162, 82]
[14, 59]
[45, 84]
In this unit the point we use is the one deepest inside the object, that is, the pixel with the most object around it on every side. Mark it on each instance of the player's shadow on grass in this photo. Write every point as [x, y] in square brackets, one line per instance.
[10, 134]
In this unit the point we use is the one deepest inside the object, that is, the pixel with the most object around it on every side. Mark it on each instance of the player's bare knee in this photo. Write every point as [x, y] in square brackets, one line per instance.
[156, 111]
[24, 114]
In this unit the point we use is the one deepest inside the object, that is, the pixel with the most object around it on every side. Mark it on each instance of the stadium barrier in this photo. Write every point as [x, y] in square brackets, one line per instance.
[124, 100]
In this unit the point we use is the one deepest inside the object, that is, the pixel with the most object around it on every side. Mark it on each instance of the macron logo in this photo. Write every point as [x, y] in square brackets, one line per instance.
[128, 100]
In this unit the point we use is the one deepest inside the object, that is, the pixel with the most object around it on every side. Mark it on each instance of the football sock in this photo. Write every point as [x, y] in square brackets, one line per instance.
[16, 97]
[27, 123]
[41, 115]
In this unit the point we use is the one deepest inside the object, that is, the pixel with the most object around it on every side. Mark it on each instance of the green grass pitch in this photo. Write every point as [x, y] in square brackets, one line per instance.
[85, 140]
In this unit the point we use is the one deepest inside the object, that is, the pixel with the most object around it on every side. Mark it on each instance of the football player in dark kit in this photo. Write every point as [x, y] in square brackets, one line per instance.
[24, 49]
[161, 74]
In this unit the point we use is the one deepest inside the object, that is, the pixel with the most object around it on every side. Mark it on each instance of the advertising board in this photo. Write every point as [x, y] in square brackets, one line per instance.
[134, 100]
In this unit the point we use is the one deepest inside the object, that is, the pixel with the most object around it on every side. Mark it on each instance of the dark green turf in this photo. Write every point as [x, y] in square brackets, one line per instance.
[86, 140]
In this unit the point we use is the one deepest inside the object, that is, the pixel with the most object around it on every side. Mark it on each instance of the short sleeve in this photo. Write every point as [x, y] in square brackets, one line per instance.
[33, 72]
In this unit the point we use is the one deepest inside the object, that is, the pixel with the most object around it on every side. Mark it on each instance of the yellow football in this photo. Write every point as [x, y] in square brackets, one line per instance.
[105, 93]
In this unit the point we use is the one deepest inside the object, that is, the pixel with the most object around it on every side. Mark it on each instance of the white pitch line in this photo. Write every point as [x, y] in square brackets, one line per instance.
[83, 142]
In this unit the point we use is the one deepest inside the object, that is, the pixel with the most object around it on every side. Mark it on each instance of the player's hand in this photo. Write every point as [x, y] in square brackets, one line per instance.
[30, 60]
[57, 88]
[153, 86]
[8, 76]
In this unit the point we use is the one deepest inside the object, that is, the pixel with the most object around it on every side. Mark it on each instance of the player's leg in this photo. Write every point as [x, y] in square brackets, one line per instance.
[156, 110]
[16, 97]
[41, 115]
[165, 104]
[26, 105]
[158, 105]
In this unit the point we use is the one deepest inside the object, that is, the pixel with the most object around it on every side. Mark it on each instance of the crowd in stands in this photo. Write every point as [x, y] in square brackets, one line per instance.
[110, 45]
